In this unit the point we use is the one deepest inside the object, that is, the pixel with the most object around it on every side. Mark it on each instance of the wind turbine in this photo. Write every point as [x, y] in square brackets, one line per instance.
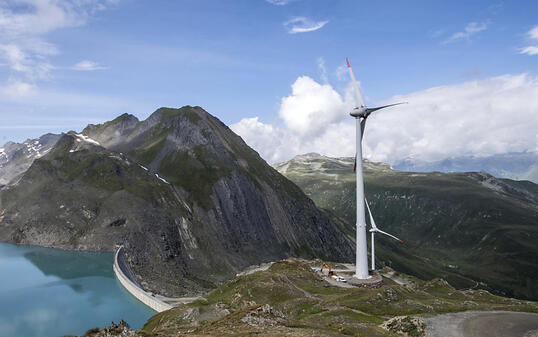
[360, 113]
[374, 230]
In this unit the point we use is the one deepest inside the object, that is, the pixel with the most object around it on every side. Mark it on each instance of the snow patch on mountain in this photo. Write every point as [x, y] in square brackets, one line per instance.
[87, 139]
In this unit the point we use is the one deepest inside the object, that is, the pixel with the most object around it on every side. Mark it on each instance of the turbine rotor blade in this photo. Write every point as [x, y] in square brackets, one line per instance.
[370, 110]
[372, 222]
[363, 125]
[374, 227]
[392, 236]
[358, 95]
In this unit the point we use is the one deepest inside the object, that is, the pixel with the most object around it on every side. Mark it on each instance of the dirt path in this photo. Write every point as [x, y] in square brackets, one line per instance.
[485, 323]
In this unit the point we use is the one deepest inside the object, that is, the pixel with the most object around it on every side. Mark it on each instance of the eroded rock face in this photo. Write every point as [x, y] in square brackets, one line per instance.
[189, 200]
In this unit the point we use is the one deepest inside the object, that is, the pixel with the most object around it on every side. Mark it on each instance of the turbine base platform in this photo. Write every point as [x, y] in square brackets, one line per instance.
[342, 275]
[374, 281]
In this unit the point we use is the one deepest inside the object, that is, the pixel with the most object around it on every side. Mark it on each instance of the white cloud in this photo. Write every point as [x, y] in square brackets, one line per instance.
[342, 73]
[278, 2]
[310, 107]
[485, 117]
[24, 24]
[301, 24]
[312, 119]
[18, 90]
[531, 50]
[533, 33]
[86, 65]
[322, 70]
[471, 29]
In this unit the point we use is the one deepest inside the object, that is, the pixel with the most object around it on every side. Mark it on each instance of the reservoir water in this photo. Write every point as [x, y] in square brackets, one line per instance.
[50, 292]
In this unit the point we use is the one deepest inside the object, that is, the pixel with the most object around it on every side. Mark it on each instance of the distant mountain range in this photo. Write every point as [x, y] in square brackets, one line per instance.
[16, 158]
[191, 202]
[471, 229]
[516, 166]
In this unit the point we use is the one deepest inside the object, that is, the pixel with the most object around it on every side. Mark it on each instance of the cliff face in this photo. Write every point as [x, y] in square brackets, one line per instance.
[189, 200]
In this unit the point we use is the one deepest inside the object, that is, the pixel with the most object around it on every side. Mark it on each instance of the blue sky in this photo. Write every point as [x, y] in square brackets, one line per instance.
[89, 61]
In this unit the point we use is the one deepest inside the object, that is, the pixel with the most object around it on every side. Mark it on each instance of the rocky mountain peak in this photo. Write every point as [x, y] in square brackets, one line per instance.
[112, 132]
[15, 158]
[187, 197]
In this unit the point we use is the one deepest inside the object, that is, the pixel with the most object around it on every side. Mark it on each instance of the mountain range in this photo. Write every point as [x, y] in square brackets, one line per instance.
[192, 204]
[16, 158]
[472, 229]
[514, 165]
[189, 200]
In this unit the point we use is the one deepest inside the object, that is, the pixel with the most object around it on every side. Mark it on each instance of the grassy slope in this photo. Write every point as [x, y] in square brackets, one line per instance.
[455, 226]
[302, 304]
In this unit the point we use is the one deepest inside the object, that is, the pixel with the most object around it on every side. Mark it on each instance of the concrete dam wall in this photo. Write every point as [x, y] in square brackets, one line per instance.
[124, 275]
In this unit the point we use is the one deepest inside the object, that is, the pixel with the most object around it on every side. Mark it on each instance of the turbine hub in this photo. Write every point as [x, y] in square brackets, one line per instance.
[359, 112]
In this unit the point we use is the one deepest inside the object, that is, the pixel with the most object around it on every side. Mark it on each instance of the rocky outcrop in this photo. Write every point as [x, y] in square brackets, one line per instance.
[122, 329]
[406, 325]
[191, 203]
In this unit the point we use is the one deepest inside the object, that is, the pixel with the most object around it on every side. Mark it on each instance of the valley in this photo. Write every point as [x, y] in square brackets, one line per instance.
[471, 229]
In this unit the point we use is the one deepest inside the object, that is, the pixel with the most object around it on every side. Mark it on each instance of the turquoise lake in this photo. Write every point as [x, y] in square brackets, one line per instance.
[50, 292]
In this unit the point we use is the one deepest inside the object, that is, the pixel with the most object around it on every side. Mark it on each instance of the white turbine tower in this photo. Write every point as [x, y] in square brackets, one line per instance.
[374, 230]
[360, 113]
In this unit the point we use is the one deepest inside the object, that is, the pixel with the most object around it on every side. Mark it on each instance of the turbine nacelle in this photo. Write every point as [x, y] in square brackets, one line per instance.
[360, 112]
[364, 112]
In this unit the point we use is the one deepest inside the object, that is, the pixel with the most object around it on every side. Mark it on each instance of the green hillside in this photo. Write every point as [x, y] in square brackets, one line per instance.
[289, 299]
[472, 229]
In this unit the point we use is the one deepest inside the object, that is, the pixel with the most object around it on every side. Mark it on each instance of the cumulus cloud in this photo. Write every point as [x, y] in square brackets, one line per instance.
[301, 24]
[470, 30]
[533, 36]
[310, 107]
[485, 117]
[86, 65]
[313, 118]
